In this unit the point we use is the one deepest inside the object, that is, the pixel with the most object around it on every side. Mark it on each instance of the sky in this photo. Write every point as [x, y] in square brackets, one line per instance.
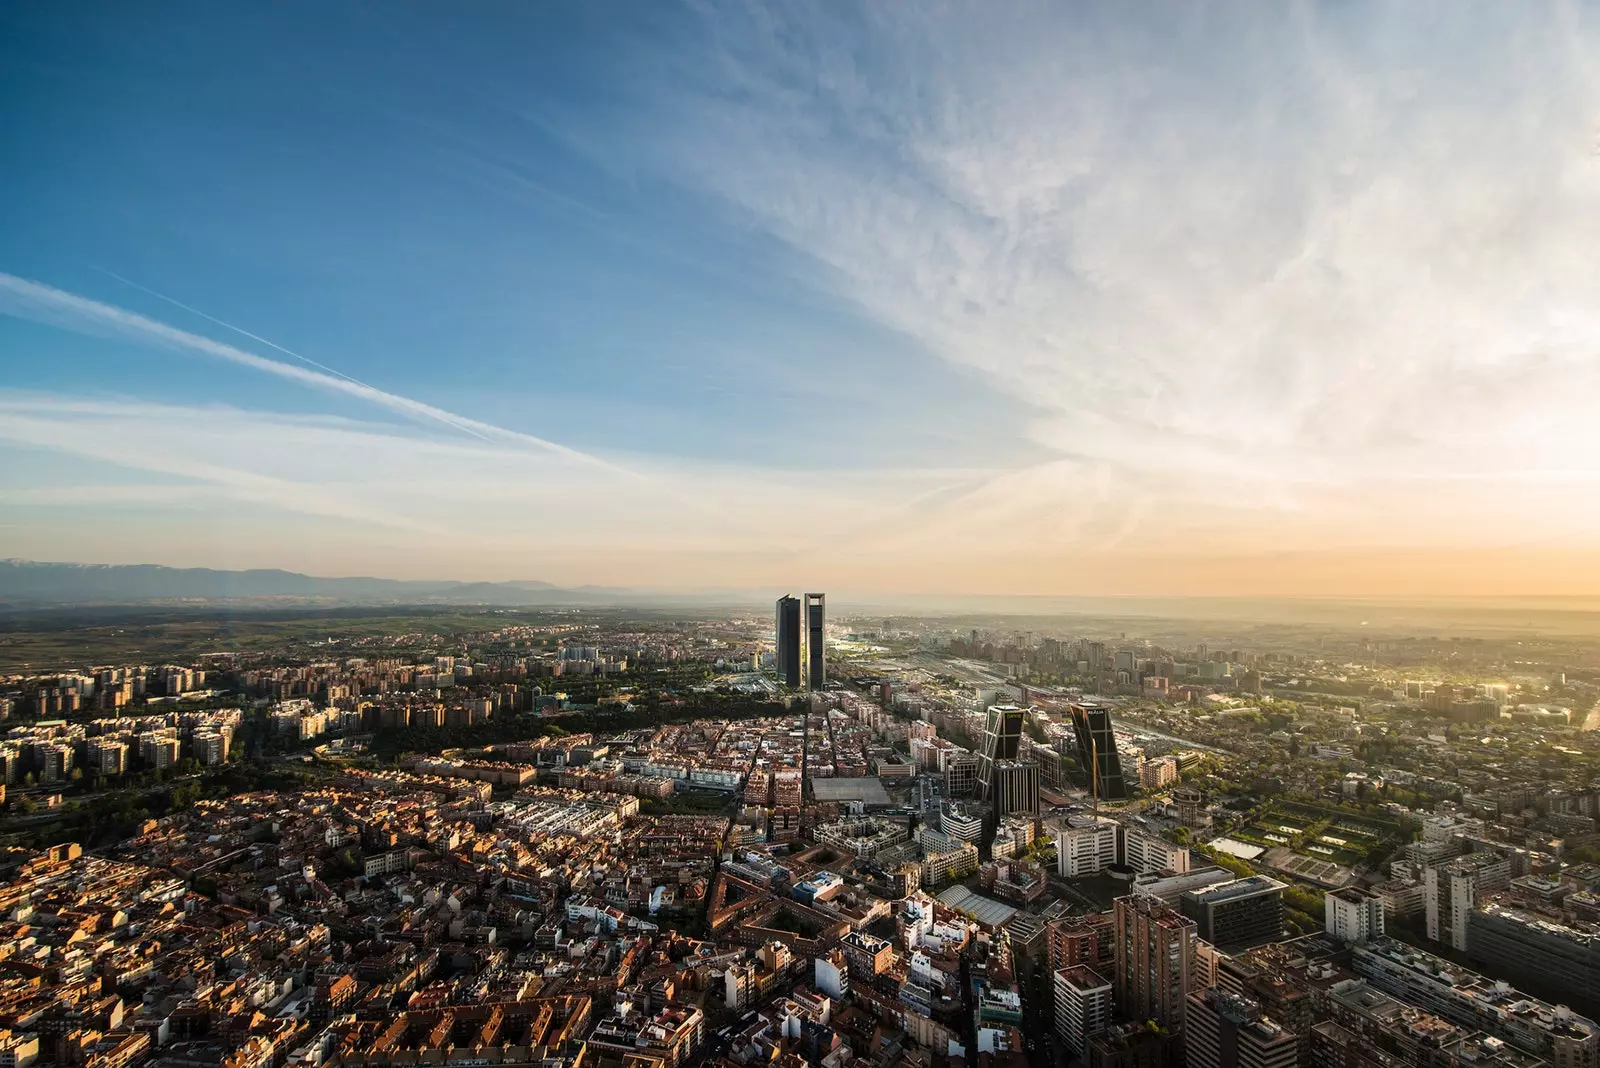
[915, 298]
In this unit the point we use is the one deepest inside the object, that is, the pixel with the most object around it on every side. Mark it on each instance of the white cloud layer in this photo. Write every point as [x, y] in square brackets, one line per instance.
[443, 507]
[1331, 267]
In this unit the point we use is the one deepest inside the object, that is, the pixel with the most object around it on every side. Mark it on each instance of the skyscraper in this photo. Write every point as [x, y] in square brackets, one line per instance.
[816, 660]
[1154, 945]
[1097, 751]
[1002, 738]
[788, 653]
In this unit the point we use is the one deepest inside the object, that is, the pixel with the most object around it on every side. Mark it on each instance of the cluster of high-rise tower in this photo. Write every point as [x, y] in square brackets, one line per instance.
[1010, 783]
[797, 620]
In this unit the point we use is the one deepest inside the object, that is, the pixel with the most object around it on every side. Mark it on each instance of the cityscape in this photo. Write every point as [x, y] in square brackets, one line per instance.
[676, 533]
[565, 836]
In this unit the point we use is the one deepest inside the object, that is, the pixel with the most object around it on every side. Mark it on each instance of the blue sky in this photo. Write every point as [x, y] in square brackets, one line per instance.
[378, 186]
[1044, 298]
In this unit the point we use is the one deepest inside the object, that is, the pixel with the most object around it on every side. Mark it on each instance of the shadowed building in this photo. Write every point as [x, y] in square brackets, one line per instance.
[816, 618]
[1097, 751]
[1002, 739]
[788, 652]
[1154, 947]
[1224, 1030]
[1239, 914]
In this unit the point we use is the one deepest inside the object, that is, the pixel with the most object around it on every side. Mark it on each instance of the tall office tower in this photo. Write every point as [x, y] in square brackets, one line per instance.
[1223, 1030]
[1097, 751]
[788, 655]
[1002, 738]
[816, 617]
[1154, 945]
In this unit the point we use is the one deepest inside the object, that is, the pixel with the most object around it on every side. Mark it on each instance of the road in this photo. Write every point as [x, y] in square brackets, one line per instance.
[1134, 728]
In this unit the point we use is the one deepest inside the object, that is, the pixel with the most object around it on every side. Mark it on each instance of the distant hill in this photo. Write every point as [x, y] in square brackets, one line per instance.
[28, 583]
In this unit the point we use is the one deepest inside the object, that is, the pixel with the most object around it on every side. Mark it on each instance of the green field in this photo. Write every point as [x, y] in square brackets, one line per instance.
[1327, 834]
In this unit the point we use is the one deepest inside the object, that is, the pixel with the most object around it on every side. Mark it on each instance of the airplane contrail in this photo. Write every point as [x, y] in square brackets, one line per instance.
[35, 301]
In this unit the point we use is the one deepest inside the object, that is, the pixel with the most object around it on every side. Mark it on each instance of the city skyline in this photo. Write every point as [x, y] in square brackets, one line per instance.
[1075, 302]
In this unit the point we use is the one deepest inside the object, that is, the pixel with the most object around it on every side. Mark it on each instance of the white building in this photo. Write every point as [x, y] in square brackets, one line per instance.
[739, 985]
[1085, 845]
[1352, 915]
[1147, 853]
[1450, 892]
[959, 822]
[832, 974]
[1083, 1006]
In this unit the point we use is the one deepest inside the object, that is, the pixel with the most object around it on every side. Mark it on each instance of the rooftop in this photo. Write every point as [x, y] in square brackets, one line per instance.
[1250, 886]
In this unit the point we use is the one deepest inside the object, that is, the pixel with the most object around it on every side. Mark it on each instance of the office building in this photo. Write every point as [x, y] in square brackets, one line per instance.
[1154, 953]
[1083, 1006]
[1085, 845]
[1169, 888]
[1223, 1030]
[1014, 788]
[788, 641]
[1238, 914]
[961, 773]
[1352, 915]
[1097, 751]
[816, 627]
[1002, 740]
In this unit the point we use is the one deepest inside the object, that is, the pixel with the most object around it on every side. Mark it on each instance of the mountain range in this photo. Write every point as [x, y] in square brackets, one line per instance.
[28, 583]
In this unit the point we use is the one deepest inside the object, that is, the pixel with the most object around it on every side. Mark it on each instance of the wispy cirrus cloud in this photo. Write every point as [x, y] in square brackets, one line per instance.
[27, 299]
[1261, 265]
[446, 497]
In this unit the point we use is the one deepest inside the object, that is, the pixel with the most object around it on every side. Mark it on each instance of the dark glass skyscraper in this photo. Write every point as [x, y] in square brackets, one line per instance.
[1097, 752]
[816, 660]
[788, 635]
[1002, 739]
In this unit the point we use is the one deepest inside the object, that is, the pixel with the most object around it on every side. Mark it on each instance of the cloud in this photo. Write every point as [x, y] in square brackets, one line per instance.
[32, 300]
[1262, 285]
[452, 497]
[1297, 271]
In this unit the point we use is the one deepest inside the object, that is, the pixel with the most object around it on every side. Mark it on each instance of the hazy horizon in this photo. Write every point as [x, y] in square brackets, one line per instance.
[1085, 301]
